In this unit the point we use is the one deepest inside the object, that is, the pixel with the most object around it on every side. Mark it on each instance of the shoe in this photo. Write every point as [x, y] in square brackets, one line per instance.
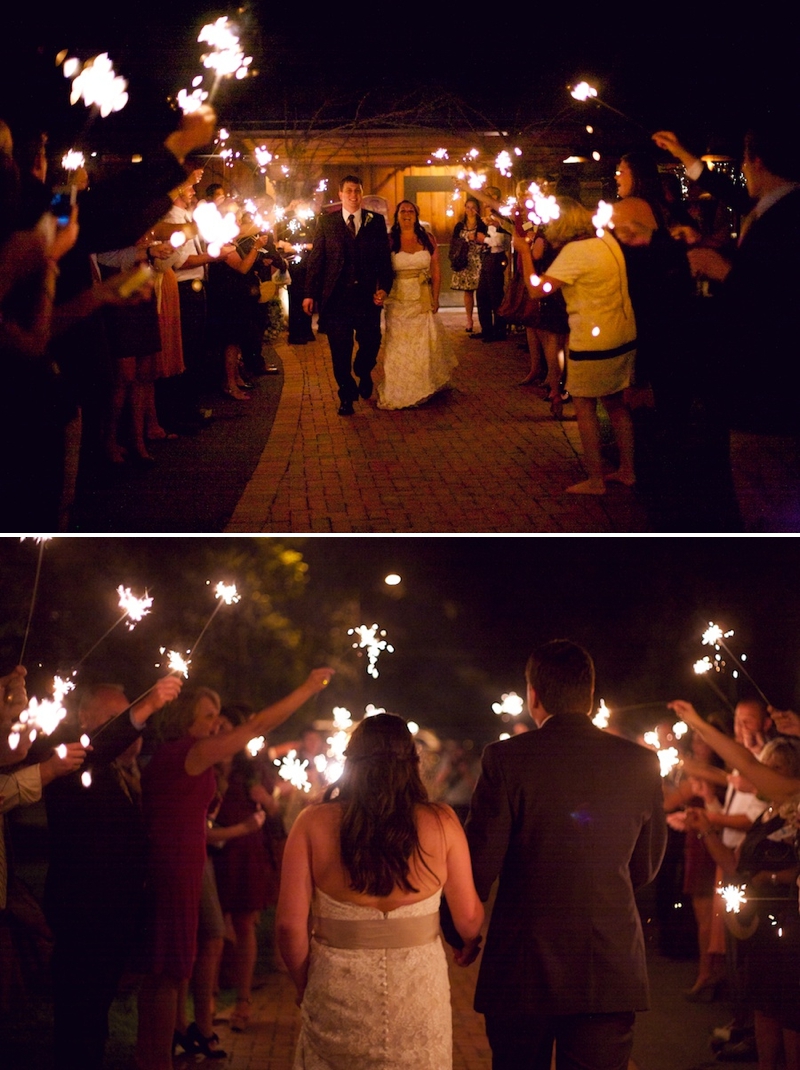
[205, 1044]
[707, 991]
[469, 330]
[346, 408]
[180, 1040]
[365, 387]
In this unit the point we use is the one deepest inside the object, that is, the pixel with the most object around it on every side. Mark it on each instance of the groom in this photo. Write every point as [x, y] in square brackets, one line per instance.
[348, 276]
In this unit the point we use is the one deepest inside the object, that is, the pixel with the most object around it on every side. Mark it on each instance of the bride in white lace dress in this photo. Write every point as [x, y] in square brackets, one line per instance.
[417, 357]
[369, 864]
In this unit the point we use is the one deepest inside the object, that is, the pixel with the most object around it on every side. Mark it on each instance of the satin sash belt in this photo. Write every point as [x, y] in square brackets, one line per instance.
[376, 933]
[413, 273]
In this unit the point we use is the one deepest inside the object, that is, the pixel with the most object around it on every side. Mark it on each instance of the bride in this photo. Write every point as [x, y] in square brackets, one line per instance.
[369, 864]
[417, 358]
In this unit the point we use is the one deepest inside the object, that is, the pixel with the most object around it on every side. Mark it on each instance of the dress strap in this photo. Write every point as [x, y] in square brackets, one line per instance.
[376, 933]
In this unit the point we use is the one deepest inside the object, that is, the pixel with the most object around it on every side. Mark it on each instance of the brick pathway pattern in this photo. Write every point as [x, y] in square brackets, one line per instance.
[484, 456]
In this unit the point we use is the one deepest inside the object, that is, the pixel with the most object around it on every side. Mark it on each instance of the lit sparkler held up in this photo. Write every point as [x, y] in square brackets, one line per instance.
[714, 636]
[226, 594]
[133, 610]
[372, 640]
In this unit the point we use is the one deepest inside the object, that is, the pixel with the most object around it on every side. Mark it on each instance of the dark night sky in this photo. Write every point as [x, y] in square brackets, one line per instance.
[697, 71]
[470, 610]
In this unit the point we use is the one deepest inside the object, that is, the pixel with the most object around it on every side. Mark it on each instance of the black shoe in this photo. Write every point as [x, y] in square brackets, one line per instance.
[365, 387]
[203, 1044]
[180, 1040]
[346, 408]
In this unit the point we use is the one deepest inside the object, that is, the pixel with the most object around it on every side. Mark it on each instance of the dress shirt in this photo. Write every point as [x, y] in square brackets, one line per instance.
[356, 218]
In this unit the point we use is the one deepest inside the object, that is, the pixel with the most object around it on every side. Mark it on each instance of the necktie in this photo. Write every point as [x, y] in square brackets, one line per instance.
[351, 224]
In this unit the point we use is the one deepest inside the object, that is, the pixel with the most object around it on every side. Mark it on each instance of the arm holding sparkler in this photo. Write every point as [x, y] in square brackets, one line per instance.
[536, 286]
[771, 783]
[165, 689]
[207, 752]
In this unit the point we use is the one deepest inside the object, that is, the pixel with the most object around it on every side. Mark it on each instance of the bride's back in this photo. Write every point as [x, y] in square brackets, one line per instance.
[427, 868]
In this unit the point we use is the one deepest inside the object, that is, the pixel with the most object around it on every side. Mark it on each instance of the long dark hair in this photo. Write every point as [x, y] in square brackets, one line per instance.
[379, 791]
[646, 182]
[422, 236]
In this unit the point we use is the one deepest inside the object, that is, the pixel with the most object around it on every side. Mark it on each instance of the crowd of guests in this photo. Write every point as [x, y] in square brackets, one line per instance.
[661, 319]
[732, 827]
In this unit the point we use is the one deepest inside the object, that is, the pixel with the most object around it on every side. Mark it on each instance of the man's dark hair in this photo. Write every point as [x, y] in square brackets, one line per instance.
[212, 189]
[772, 138]
[562, 675]
[351, 178]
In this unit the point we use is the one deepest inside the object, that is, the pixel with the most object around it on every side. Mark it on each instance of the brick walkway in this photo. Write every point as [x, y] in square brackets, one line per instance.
[269, 1041]
[484, 456]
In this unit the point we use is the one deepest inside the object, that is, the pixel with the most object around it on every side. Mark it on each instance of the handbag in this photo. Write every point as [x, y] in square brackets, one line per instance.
[459, 254]
[517, 306]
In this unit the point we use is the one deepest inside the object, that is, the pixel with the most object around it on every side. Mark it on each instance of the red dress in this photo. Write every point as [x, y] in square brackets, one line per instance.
[246, 880]
[175, 805]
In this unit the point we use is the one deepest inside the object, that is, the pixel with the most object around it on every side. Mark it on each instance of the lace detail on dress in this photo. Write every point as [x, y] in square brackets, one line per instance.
[417, 359]
[376, 1009]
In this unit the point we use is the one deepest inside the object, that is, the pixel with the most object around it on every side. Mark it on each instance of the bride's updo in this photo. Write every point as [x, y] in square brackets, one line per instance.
[379, 791]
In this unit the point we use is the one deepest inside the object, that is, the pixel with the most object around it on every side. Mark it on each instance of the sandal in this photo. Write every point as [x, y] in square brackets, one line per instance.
[206, 1046]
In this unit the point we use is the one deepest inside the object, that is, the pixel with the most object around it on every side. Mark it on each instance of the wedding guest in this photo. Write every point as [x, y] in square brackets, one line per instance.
[177, 788]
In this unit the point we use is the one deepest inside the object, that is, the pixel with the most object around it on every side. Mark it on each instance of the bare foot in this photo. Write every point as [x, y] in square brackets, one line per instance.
[621, 477]
[588, 486]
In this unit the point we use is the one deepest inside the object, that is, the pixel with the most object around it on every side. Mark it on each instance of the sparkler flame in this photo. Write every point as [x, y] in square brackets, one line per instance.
[226, 57]
[292, 769]
[45, 716]
[734, 897]
[583, 91]
[134, 608]
[504, 163]
[99, 84]
[668, 758]
[603, 715]
[602, 217]
[228, 593]
[713, 635]
[703, 666]
[215, 228]
[176, 662]
[510, 703]
[255, 746]
[368, 639]
[72, 160]
[541, 209]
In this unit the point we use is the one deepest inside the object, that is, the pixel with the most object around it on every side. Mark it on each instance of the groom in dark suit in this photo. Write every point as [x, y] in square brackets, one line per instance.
[348, 276]
[571, 819]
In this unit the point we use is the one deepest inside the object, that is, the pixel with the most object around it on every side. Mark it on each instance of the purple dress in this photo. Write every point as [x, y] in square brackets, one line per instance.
[175, 806]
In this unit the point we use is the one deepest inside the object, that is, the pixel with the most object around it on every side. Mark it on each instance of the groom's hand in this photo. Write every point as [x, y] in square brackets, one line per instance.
[379, 297]
[308, 306]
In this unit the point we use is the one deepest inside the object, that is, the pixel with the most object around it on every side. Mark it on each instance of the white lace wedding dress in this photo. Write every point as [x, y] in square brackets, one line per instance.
[417, 358]
[375, 1007]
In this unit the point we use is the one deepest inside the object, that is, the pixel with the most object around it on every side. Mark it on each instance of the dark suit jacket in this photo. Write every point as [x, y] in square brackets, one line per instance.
[757, 325]
[571, 819]
[336, 259]
[96, 837]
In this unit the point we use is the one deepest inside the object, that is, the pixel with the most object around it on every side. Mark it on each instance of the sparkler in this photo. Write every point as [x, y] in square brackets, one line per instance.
[714, 636]
[705, 666]
[73, 160]
[44, 716]
[255, 746]
[504, 163]
[602, 217]
[603, 715]
[541, 209]
[734, 897]
[584, 92]
[510, 703]
[134, 609]
[99, 84]
[41, 539]
[292, 769]
[215, 228]
[226, 595]
[176, 663]
[368, 639]
[224, 57]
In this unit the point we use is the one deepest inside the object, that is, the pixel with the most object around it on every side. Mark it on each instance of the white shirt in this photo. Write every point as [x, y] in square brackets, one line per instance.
[356, 218]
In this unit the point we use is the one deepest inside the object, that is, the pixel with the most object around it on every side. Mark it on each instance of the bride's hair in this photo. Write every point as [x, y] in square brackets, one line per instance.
[422, 235]
[379, 791]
